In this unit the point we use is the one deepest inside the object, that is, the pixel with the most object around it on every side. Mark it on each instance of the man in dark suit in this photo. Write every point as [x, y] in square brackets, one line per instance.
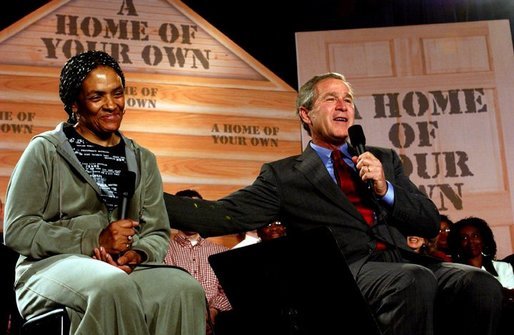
[408, 294]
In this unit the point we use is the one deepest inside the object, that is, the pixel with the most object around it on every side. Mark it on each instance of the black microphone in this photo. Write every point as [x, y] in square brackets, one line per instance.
[126, 188]
[358, 141]
[357, 138]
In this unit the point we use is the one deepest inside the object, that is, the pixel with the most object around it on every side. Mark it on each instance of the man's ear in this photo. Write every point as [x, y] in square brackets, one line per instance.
[304, 115]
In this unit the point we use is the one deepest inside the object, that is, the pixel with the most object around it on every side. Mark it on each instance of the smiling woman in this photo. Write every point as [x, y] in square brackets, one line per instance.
[100, 107]
[88, 231]
[471, 241]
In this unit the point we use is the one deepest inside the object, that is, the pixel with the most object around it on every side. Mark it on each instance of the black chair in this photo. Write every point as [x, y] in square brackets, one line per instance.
[54, 322]
[282, 287]
[10, 319]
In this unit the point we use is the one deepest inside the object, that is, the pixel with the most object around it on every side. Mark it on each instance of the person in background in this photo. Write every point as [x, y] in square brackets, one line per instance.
[64, 216]
[441, 240]
[271, 231]
[427, 247]
[327, 185]
[188, 250]
[471, 241]
[417, 244]
[436, 247]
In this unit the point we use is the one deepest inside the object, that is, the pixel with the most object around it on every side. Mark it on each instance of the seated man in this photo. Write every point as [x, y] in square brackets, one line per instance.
[364, 196]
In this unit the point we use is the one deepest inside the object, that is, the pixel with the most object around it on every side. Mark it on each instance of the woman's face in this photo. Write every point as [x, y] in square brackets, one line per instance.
[415, 242]
[442, 237]
[101, 103]
[471, 242]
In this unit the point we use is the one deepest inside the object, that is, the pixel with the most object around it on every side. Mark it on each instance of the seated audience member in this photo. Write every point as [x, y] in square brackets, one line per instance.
[427, 247]
[273, 230]
[417, 243]
[432, 250]
[471, 242]
[436, 247]
[190, 251]
[441, 240]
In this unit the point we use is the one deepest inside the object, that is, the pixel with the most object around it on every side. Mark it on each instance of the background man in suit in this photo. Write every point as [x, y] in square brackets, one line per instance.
[370, 225]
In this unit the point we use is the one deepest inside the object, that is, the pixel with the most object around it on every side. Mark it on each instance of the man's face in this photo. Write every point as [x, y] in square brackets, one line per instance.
[271, 231]
[332, 114]
[101, 102]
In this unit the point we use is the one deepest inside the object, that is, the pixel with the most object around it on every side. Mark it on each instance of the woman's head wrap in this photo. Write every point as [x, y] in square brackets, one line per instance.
[76, 70]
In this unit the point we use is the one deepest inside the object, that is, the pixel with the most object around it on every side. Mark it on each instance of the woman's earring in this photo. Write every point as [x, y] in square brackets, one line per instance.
[76, 115]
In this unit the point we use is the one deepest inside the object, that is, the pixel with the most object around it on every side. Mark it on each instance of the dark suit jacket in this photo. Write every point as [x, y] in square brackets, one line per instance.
[301, 194]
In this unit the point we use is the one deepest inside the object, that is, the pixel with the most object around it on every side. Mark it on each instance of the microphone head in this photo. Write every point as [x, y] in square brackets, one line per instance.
[127, 184]
[357, 137]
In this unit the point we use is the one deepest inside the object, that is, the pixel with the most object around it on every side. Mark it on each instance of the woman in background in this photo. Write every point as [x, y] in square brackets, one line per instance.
[471, 241]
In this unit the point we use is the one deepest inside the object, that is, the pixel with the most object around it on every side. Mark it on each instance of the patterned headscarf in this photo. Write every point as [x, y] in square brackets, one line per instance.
[76, 70]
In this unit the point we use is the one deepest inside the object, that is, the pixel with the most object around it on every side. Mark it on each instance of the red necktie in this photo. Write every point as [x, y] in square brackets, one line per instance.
[353, 188]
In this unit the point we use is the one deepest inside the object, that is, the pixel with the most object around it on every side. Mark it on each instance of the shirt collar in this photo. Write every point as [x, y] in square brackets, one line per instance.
[325, 153]
[183, 240]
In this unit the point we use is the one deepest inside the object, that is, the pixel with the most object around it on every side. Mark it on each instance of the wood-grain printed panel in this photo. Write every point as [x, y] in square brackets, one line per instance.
[169, 97]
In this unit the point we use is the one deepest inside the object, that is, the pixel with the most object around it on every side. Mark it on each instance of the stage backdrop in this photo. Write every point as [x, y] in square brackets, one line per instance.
[442, 96]
[210, 112]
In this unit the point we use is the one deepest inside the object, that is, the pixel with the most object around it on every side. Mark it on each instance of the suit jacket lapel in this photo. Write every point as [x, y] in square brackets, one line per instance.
[311, 166]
